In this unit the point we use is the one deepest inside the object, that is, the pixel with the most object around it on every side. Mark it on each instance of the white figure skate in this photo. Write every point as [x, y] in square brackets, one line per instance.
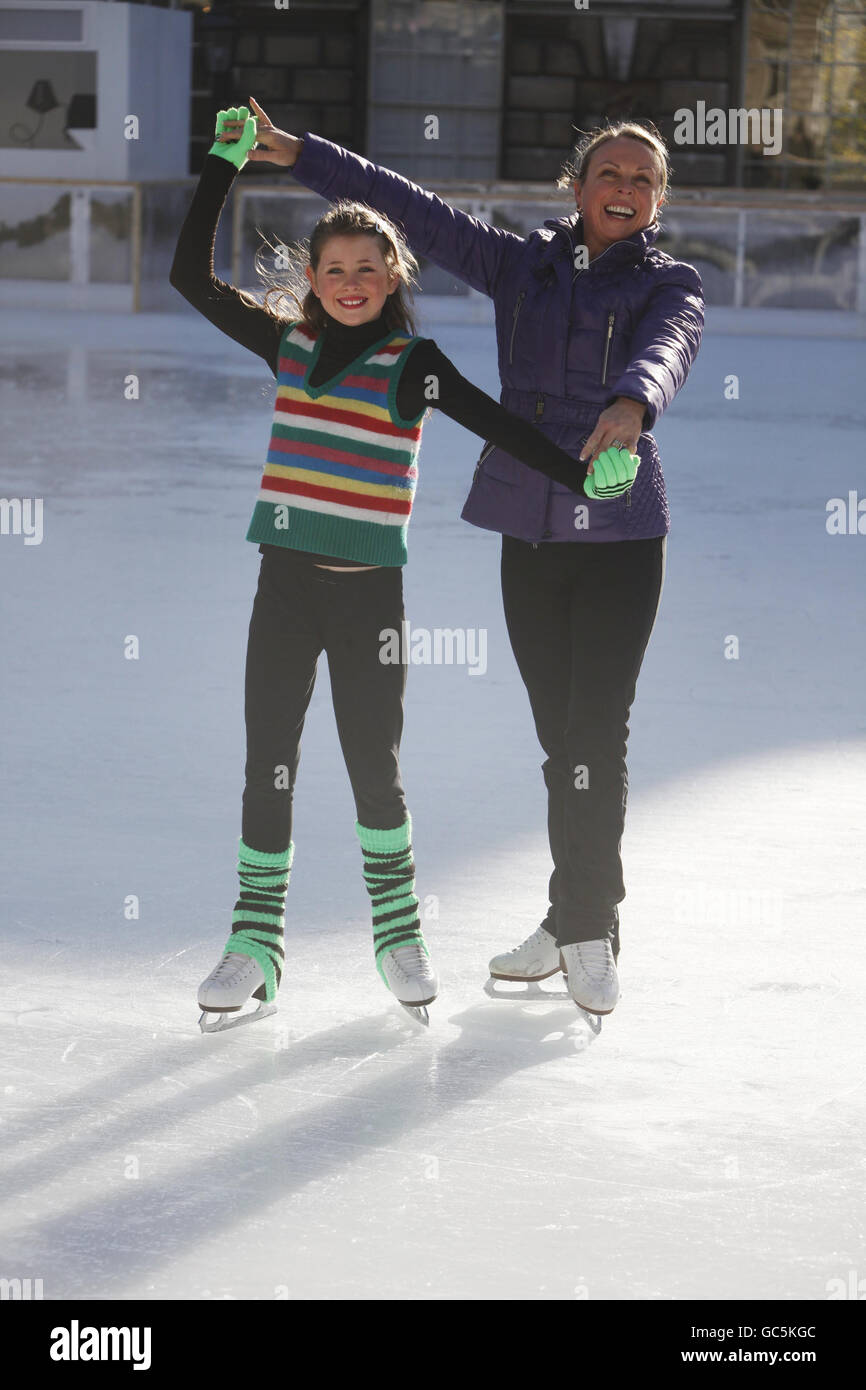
[226, 990]
[536, 958]
[412, 980]
[592, 979]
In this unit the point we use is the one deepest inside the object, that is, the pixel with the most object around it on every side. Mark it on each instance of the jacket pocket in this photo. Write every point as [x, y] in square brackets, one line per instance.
[502, 467]
[572, 446]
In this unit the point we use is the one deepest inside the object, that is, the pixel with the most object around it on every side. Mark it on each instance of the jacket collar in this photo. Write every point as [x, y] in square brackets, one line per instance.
[568, 234]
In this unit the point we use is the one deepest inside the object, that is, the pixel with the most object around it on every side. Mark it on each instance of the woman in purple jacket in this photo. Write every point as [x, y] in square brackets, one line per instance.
[597, 331]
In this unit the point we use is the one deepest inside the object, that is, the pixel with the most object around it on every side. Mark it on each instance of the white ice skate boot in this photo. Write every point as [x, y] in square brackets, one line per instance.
[592, 979]
[536, 958]
[411, 979]
[227, 989]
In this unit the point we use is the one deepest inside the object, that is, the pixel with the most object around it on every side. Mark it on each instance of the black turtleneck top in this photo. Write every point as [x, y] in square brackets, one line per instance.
[241, 318]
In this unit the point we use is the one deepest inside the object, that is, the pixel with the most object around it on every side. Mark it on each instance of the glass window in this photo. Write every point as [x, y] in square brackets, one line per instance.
[847, 140]
[111, 236]
[435, 87]
[844, 87]
[803, 262]
[581, 71]
[34, 231]
[810, 59]
[707, 239]
[848, 41]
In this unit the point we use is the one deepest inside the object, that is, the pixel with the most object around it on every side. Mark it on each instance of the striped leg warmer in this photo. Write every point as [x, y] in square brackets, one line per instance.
[259, 913]
[389, 874]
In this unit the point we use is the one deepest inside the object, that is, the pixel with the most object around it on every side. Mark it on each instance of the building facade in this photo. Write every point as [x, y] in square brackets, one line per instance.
[509, 81]
[480, 100]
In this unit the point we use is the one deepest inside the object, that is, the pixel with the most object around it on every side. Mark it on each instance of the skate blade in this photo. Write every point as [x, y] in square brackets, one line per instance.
[594, 1021]
[418, 1012]
[225, 1020]
[532, 989]
[592, 1016]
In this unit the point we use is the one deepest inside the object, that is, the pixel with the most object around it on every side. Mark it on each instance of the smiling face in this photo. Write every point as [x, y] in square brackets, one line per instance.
[623, 173]
[352, 279]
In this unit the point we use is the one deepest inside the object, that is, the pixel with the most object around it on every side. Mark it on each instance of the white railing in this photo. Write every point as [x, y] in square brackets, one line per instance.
[846, 288]
[730, 253]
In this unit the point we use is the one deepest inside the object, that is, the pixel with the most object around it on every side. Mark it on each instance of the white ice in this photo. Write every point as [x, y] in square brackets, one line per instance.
[706, 1144]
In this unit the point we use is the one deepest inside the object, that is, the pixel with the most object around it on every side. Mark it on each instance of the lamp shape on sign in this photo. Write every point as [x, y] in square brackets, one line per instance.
[41, 100]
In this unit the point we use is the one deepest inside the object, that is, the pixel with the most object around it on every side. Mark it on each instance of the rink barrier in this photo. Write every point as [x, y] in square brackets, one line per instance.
[111, 243]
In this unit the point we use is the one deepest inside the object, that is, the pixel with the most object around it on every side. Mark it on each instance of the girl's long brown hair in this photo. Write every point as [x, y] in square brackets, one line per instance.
[290, 295]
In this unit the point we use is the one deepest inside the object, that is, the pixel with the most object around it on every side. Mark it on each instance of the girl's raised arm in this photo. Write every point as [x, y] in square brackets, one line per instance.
[192, 270]
[467, 247]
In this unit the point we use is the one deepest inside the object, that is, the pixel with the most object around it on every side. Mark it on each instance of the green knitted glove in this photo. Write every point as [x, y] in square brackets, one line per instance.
[613, 473]
[236, 151]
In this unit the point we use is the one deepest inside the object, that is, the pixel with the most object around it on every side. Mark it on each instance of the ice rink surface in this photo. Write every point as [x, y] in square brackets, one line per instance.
[707, 1143]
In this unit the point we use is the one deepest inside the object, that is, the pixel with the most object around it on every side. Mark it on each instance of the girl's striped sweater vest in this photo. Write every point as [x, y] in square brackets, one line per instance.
[341, 468]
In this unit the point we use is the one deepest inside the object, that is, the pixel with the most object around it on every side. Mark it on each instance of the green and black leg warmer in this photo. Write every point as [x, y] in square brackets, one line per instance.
[259, 914]
[389, 874]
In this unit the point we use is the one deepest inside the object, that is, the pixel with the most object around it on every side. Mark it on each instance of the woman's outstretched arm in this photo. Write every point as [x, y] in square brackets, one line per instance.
[467, 247]
[664, 343]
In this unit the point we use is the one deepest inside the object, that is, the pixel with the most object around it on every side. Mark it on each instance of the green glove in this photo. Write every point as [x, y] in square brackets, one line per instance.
[236, 151]
[613, 473]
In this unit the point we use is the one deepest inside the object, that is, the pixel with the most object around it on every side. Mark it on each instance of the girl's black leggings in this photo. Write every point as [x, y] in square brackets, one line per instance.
[300, 611]
[579, 617]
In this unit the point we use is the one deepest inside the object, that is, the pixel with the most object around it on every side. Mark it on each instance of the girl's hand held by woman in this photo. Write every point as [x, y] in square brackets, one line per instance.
[273, 146]
[234, 136]
[615, 472]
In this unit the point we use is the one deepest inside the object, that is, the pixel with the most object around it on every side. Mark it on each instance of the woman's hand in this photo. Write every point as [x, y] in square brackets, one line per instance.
[272, 145]
[622, 422]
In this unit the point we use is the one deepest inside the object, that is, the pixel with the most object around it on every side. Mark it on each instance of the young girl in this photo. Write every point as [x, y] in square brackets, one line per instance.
[353, 385]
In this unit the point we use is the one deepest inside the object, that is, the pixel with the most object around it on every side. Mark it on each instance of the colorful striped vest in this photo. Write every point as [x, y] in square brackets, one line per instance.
[340, 473]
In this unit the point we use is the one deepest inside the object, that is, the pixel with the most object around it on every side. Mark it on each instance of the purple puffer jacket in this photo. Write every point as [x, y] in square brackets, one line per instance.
[569, 342]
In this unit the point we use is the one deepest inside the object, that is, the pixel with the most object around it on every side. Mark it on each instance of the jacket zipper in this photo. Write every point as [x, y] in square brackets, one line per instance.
[610, 318]
[517, 307]
[488, 449]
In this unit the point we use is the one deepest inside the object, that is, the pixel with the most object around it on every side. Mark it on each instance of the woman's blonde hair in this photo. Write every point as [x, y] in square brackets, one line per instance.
[290, 294]
[575, 168]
